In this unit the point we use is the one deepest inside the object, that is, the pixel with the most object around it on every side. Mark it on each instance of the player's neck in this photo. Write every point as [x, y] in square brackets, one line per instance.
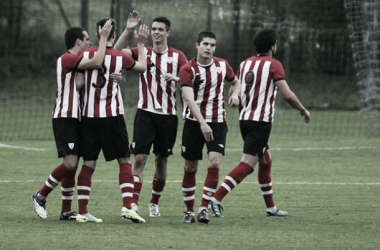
[204, 61]
[160, 47]
[75, 51]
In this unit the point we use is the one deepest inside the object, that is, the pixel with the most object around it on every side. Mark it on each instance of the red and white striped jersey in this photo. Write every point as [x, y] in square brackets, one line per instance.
[102, 96]
[207, 82]
[155, 94]
[67, 102]
[258, 91]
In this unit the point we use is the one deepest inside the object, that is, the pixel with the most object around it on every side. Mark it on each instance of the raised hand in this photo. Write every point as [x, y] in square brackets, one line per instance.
[106, 30]
[142, 35]
[133, 20]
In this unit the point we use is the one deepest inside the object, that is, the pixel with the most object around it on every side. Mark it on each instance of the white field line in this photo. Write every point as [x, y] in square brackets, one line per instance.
[19, 147]
[244, 182]
[227, 149]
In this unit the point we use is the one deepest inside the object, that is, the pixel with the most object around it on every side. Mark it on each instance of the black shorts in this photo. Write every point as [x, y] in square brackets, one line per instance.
[193, 139]
[255, 136]
[66, 134]
[107, 134]
[154, 129]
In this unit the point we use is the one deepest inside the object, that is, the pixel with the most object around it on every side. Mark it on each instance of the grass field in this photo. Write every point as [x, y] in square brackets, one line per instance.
[329, 187]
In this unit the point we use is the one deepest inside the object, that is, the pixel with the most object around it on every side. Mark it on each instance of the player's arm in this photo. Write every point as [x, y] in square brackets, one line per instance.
[188, 95]
[132, 22]
[234, 92]
[79, 80]
[292, 99]
[141, 38]
[97, 60]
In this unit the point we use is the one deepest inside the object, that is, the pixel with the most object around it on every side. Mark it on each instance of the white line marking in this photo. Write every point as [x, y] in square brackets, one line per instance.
[244, 182]
[19, 147]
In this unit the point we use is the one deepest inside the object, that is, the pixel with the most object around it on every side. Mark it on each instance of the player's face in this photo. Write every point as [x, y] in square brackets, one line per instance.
[86, 40]
[206, 48]
[159, 33]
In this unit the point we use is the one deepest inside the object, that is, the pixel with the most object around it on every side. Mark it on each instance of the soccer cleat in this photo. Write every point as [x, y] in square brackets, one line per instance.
[188, 218]
[203, 216]
[280, 213]
[131, 215]
[135, 208]
[72, 215]
[154, 211]
[39, 206]
[216, 210]
[87, 218]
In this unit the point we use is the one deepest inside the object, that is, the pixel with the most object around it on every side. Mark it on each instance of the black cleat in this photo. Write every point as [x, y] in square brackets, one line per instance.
[189, 218]
[203, 216]
[72, 215]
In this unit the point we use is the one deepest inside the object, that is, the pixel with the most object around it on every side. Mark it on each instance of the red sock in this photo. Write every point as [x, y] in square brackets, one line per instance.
[157, 188]
[211, 183]
[265, 181]
[126, 184]
[188, 189]
[136, 190]
[237, 174]
[84, 188]
[54, 179]
[67, 189]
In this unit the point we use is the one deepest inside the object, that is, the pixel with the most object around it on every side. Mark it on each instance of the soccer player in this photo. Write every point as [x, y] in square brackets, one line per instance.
[156, 118]
[66, 115]
[202, 83]
[261, 76]
[103, 125]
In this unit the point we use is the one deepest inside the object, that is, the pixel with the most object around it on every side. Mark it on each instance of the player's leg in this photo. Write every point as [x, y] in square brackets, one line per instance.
[216, 150]
[66, 134]
[265, 182]
[90, 148]
[166, 126]
[144, 133]
[115, 145]
[68, 188]
[192, 146]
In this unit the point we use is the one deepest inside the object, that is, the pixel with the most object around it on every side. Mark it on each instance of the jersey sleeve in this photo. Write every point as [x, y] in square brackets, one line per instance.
[135, 53]
[182, 60]
[185, 76]
[230, 74]
[71, 61]
[128, 62]
[278, 72]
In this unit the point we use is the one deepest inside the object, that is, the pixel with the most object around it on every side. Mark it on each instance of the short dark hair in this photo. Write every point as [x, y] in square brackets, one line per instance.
[205, 34]
[72, 35]
[264, 40]
[101, 23]
[162, 19]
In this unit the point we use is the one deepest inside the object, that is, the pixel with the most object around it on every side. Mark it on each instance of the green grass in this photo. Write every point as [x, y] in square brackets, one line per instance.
[331, 195]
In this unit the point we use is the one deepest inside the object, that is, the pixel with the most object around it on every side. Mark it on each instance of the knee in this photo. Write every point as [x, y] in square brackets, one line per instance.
[140, 161]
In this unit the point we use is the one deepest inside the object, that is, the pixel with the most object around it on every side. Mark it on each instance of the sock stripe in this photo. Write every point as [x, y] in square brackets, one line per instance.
[267, 192]
[67, 198]
[209, 189]
[83, 197]
[189, 198]
[188, 189]
[50, 185]
[53, 180]
[84, 188]
[124, 185]
[226, 187]
[231, 180]
[156, 193]
[127, 194]
[266, 184]
[70, 189]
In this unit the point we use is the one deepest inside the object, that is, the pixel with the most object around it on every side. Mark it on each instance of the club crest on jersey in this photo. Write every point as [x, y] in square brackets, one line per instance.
[198, 80]
[71, 145]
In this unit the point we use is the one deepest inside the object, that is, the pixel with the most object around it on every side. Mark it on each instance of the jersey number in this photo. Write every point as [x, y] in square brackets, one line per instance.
[249, 78]
[103, 80]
